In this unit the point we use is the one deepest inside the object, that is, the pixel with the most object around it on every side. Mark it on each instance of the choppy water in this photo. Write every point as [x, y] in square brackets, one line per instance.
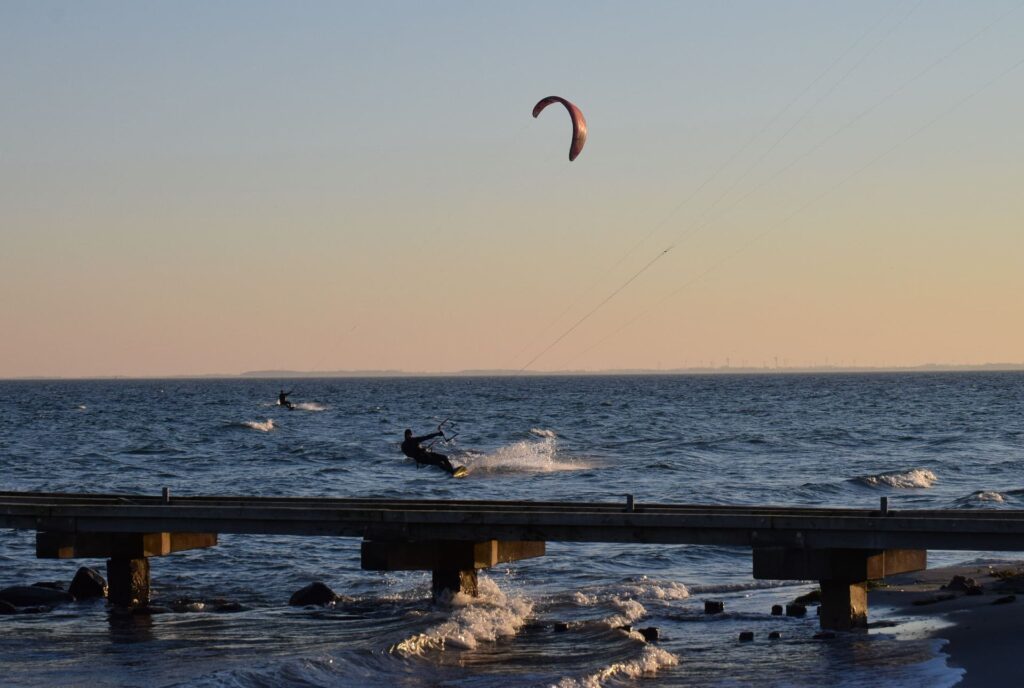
[935, 440]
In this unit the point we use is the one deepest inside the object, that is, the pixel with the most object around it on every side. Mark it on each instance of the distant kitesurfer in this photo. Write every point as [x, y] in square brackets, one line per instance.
[411, 448]
[282, 400]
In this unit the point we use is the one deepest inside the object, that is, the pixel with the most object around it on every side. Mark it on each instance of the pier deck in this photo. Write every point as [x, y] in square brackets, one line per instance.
[840, 547]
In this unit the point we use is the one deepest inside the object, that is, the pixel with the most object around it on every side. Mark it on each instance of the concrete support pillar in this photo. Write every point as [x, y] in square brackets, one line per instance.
[452, 581]
[128, 581]
[844, 605]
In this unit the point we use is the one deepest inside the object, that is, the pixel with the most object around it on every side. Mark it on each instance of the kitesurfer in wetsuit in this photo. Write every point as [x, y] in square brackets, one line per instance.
[411, 448]
[282, 399]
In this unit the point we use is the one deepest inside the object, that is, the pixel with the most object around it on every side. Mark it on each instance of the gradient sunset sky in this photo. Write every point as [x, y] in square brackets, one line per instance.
[194, 187]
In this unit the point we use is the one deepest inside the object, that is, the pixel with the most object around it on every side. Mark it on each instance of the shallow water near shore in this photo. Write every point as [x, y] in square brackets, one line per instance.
[937, 440]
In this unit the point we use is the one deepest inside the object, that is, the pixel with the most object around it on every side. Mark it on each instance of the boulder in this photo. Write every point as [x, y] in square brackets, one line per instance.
[88, 584]
[650, 634]
[813, 597]
[7, 608]
[776, 610]
[29, 595]
[52, 585]
[746, 636]
[188, 605]
[314, 594]
[775, 635]
[960, 583]
[1005, 600]
[714, 607]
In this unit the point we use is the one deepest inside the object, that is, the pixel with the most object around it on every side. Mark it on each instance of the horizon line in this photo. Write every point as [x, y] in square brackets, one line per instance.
[502, 372]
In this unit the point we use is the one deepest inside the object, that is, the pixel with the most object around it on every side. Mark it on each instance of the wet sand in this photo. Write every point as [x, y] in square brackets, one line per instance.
[985, 638]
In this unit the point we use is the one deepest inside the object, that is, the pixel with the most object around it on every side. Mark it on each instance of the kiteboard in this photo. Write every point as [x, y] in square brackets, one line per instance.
[460, 472]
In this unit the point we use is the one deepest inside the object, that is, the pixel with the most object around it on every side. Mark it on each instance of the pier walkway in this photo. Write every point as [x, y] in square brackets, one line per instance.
[841, 548]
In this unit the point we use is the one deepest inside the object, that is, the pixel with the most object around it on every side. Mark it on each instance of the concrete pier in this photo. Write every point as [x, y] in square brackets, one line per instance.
[840, 548]
[842, 574]
[127, 556]
[453, 563]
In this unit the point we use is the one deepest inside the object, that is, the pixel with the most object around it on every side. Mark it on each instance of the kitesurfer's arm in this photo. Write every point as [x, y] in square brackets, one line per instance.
[431, 436]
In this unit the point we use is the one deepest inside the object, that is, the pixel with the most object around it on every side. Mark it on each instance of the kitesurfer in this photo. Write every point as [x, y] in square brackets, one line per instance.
[411, 448]
[282, 400]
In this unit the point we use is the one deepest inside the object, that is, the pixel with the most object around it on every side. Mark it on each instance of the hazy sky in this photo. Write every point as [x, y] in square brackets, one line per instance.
[194, 187]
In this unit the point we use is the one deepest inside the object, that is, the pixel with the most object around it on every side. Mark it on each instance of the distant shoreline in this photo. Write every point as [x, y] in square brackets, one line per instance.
[721, 370]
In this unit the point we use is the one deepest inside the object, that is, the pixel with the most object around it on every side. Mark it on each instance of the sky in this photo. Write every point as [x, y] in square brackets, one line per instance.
[212, 188]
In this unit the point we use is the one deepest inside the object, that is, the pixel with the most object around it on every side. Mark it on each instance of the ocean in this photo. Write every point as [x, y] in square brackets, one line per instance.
[936, 440]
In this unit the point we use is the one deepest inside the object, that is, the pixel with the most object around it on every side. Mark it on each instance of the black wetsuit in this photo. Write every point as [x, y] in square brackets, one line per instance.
[282, 399]
[411, 448]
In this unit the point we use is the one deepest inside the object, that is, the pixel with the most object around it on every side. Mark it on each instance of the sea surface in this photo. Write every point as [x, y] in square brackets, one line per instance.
[938, 440]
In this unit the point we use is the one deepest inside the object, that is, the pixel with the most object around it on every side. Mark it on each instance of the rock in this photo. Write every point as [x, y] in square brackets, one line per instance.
[796, 610]
[41, 609]
[28, 595]
[960, 583]
[974, 590]
[650, 634]
[315, 594]
[1005, 600]
[560, 627]
[775, 635]
[746, 636]
[813, 597]
[187, 605]
[88, 584]
[150, 609]
[776, 610]
[52, 585]
[7, 608]
[824, 635]
[713, 607]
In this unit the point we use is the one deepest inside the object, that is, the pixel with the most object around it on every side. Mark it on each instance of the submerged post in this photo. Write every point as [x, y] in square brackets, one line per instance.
[842, 573]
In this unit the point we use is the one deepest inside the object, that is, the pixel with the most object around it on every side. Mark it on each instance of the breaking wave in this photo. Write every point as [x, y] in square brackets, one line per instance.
[981, 497]
[490, 616]
[914, 478]
[649, 662]
[308, 406]
[262, 426]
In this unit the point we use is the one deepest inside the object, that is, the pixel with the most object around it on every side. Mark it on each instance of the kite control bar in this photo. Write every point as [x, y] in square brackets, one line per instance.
[440, 429]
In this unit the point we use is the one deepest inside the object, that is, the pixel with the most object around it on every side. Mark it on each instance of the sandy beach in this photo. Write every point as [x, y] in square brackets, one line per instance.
[984, 633]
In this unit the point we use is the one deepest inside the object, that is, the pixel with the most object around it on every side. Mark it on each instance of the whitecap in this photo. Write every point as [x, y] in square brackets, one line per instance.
[913, 478]
[541, 432]
[262, 426]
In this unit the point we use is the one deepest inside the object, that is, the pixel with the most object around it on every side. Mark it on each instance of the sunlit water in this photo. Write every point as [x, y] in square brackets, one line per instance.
[923, 440]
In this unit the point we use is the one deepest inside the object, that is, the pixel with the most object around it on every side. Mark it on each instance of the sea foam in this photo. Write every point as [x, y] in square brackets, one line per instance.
[538, 455]
[913, 478]
[649, 662]
[489, 616]
[262, 426]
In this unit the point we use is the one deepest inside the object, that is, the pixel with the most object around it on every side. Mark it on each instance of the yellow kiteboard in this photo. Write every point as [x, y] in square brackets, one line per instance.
[460, 472]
